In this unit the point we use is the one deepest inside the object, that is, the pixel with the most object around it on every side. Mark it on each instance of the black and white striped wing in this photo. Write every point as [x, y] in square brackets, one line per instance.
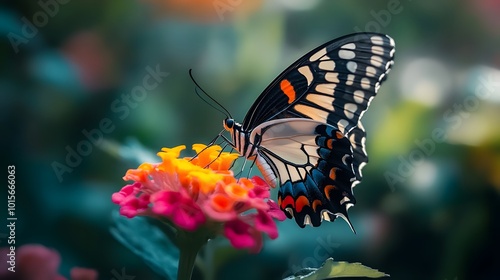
[333, 84]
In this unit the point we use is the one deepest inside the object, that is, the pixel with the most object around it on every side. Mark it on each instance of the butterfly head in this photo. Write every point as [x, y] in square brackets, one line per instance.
[228, 124]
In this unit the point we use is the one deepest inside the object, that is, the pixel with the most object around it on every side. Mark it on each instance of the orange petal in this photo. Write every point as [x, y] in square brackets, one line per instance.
[222, 203]
[171, 152]
[236, 191]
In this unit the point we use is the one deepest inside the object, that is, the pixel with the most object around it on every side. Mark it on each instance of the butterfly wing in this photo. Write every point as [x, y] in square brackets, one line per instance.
[332, 84]
[314, 166]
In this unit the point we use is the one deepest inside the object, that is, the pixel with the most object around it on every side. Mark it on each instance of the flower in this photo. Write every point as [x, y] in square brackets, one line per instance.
[201, 193]
[37, 262]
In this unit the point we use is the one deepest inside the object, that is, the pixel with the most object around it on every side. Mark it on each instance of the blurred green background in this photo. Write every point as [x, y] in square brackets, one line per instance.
[429, 205]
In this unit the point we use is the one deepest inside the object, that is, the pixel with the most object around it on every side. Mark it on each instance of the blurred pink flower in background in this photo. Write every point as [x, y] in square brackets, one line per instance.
[37, 262]
[92, 60]
[489, 13]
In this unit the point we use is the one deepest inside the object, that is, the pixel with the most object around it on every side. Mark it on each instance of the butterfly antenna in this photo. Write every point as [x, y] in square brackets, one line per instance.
[211, 105]
[221, 108]
[211, 143]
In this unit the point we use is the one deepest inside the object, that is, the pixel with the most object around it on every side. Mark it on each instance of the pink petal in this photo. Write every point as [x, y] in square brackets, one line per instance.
[165, 202]
[178, 207]
[162, 208]
[261, 188]
[275, 211]
[188, 219]
[242, 235]
[128, 212]
[131, 205]
[126, 191]
[143, 201]
[265, 223]
[257, 181]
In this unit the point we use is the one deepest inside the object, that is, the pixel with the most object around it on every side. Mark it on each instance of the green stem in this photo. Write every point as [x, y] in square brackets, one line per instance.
[189, 245]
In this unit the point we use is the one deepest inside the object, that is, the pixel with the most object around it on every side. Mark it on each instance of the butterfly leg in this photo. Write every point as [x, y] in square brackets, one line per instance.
[211, 143]
[221, 151]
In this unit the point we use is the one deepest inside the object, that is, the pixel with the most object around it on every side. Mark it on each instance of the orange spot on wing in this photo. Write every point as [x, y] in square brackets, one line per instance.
[328, 189]
[287, 201]
[329, 144]
[300, 202]
[288, 90]
[316, 203]
[333, 173]
[339, 134]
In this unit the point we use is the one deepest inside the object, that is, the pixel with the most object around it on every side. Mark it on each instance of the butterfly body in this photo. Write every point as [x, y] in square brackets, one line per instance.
[304, 131]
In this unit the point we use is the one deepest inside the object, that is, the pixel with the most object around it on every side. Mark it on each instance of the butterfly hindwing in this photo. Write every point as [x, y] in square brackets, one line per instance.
[357, 137]
[314, 164]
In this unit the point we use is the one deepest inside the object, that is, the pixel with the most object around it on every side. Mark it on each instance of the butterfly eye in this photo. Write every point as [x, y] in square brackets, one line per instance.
[228, 124]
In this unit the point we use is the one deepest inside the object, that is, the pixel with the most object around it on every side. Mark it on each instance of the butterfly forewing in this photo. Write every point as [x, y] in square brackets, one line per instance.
[333, 84]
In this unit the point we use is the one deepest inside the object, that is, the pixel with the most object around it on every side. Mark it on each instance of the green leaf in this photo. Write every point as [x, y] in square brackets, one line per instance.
[332, 269]
[148, 242]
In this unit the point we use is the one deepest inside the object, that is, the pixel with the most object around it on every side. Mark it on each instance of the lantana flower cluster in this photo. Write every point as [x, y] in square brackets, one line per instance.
[202, 192]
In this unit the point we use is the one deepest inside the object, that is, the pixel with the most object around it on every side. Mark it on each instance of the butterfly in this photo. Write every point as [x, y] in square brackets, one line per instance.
[304, 131]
